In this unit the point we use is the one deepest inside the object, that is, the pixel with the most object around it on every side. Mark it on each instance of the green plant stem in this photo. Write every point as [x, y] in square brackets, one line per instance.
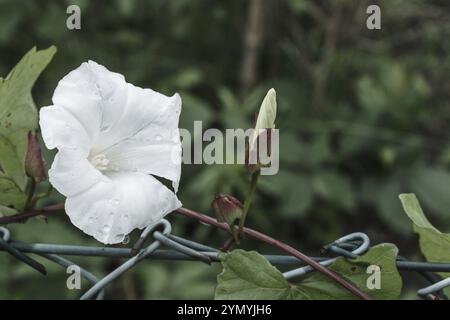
[42, 195]
[31, 189]
[235, 234]
[248, 200]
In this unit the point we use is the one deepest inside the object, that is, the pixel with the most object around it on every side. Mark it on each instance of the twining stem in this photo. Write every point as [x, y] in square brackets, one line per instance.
[281, 245]
[248, 200]
[234, 233]
[21, 217]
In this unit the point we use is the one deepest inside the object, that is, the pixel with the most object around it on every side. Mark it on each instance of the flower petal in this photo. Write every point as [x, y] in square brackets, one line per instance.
[90, 90]
[155, 149]
[119, 203]
[71, 173]
[142, 108]
[61, 129]
[136, 127]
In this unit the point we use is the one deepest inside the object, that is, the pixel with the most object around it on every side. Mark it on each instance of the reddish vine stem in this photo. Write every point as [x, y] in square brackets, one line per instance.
[21, 217]
[281, 245]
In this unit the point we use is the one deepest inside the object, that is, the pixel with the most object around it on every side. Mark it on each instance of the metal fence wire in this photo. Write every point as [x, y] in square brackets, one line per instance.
[165, 246]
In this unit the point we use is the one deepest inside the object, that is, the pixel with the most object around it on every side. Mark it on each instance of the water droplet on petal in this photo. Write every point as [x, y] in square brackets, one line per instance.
[114, 202]
[106, 228]
[91, 219]
[158, 137]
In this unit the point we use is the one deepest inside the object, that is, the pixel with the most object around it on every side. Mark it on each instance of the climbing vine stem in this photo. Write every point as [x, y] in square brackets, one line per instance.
[21, 217]
[281, 245]
[248, 200]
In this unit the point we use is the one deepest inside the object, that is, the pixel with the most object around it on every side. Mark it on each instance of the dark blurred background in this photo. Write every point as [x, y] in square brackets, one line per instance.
[363, 116]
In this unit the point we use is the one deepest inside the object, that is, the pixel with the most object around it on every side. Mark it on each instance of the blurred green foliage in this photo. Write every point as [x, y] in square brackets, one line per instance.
[363, 116]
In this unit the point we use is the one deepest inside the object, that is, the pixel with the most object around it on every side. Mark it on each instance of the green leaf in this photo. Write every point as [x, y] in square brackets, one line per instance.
[414, 211]
[383, 255]
[18, 114]
[7, 211]
[434, 244]
[10, 195]
[248, 275]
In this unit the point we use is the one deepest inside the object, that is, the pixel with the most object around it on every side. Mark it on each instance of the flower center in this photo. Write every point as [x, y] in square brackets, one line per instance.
[100, 162]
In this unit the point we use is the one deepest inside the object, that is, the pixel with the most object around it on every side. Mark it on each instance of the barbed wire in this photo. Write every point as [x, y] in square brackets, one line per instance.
[180, 249]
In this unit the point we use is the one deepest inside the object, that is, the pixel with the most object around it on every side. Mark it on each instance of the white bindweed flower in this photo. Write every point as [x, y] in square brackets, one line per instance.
[112, 139]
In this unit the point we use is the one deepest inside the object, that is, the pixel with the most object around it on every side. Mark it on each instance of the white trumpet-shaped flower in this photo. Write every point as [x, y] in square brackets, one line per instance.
[112, 139]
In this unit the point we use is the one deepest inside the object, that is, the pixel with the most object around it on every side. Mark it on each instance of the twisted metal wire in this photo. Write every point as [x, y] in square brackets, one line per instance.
[180, 249]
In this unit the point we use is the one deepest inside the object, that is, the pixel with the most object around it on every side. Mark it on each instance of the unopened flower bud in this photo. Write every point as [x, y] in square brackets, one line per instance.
[34, 163]
[228, 208]
[260, 142]
[261, 148]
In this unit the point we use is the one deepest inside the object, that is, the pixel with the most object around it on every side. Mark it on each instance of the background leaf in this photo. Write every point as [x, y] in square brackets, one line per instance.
[18, 114]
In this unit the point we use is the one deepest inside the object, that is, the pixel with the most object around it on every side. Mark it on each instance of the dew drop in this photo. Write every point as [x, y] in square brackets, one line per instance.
[106, 228]
[158, 137]
[114, 202]
[91, 220]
